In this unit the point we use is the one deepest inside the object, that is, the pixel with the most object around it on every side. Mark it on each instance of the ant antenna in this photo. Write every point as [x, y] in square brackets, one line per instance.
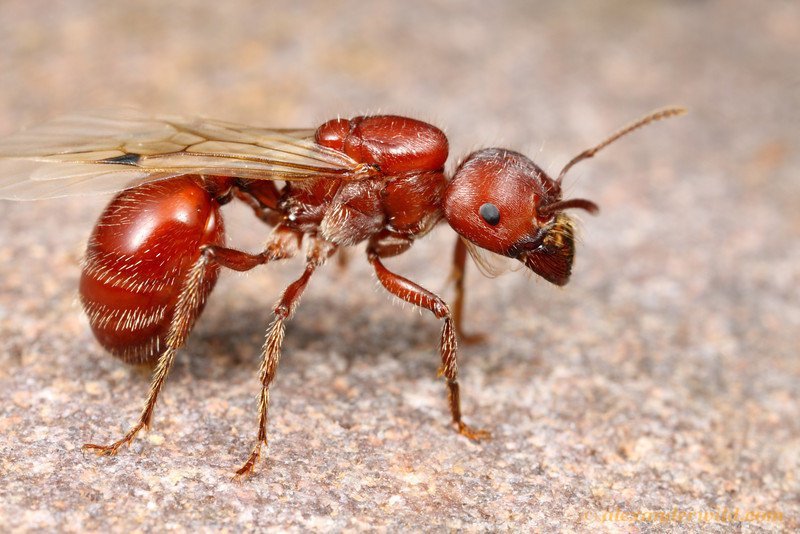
[652, 117]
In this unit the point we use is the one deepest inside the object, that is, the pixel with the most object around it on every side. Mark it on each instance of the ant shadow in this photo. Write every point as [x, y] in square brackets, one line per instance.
[228, 338]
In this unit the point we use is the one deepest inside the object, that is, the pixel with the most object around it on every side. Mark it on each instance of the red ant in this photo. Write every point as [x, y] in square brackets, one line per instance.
[157, 249]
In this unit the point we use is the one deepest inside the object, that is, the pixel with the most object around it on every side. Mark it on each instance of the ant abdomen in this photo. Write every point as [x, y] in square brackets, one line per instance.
[137, 260]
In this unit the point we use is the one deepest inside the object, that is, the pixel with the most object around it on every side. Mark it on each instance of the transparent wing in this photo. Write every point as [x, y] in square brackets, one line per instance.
[106, 153]
[490, 264]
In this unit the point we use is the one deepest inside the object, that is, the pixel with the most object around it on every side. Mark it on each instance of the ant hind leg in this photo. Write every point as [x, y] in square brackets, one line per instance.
[283, 244]
[183, 319]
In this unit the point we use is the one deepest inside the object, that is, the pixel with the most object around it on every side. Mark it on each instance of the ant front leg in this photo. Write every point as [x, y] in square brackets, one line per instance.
[283, 244]
[407, 290]
[319, 251]
[457, 276]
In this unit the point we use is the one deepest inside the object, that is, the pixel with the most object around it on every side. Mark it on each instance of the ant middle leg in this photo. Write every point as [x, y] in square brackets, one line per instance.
[319, 251]
[409, 291]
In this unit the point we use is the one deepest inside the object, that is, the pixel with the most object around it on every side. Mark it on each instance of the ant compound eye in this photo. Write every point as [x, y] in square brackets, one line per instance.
[490, 213]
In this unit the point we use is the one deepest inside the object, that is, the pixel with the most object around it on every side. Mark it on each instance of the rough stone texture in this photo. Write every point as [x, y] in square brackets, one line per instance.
[665, 376]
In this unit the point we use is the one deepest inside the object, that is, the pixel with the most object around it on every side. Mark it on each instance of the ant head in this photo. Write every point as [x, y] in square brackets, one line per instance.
[501, 201]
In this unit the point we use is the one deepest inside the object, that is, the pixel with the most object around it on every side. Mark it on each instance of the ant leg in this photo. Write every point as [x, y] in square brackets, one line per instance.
[457, 276]
[283, 243]
[343, 259]
[263, 207]
[407, 290]
[189, 301]
[271, 352]
[182, 321]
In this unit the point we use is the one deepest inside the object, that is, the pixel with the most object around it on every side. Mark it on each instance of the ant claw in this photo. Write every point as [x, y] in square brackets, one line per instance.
[473, 434]
[111, 450]
[103, 450]
[249, 466]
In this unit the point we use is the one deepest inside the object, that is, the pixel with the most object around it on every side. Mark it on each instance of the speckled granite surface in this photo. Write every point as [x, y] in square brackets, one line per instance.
[664, 377]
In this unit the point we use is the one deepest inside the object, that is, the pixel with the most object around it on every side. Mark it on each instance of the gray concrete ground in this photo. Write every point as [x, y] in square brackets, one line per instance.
[664, 377]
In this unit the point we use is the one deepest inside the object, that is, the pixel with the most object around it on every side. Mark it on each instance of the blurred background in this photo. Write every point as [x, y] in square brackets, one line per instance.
[664, 376]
